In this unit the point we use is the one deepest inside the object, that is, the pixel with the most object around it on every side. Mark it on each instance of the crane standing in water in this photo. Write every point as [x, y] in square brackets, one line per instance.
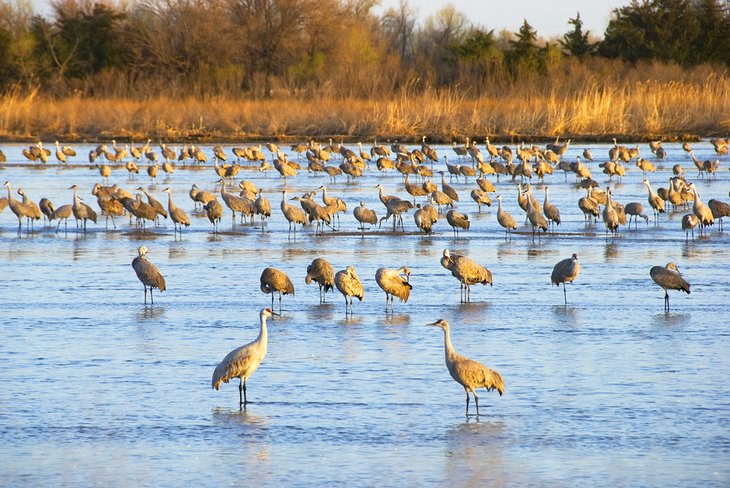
[243, 361]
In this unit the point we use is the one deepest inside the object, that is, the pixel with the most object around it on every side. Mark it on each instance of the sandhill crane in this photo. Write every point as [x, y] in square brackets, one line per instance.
[243, 361]
[132, 168]
[635, 210]
[334, 202]
[18, 208]
[155, 204]
[275, 281]
[424, 219]
[394, 284]
[441, 199]
[262, 207]
[446, 188]
[468, 373]
[47, 209]
[395, 208]
[414, 189]
[587, 155]
[62, 213]
[348, 283]
[468, 273]
[461, 151]
[589, 206]
[178, 215]
[316, 212]
[689, 222]
[34, 211]
[537, 220]
[485, 185]
[235, 203]
[293, 215]
[505, 219]
[551, 211]
[481, 198]
[81, 210]
[457, 221]
[719, 210]
[610, 215]
[148, 274]
[645, 166]
[365, 216]
[669, 278]
[108, 203]
[655, 201]
[321, 272]
[701, 210]
[565, 271]
[383, 197]
[152, 172]
[60, 155]
[214, 211]
[379, 150]
[104, 170]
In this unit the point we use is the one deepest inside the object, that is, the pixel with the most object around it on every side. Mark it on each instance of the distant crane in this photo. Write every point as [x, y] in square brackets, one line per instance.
[348, 283]
[394, 284]
[321, 272]
[465, 270]
[276, 281]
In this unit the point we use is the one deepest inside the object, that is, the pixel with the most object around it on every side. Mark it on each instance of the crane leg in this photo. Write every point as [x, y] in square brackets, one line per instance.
[145, 294]
[476, 402]
[279, 303]
[467, 403]
[152, 300]
[565, 294]
[666, 301]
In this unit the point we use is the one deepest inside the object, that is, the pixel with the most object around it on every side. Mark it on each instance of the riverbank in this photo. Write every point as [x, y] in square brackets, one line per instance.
[671, 111]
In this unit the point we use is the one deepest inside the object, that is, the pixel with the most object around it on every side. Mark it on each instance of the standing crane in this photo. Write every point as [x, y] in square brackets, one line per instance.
[468, 273]
[276, 281]
[243, 361]
[394, 284]
[348, 283]
[669, 278]
[321, 272]
[565, 272]
[468, 373]
[148, 274]
[178, 215]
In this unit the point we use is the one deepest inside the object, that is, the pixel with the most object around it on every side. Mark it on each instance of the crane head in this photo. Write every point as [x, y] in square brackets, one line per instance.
[440, 323]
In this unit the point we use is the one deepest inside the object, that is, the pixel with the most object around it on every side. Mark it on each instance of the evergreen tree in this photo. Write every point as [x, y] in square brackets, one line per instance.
[576, 42]
[523, 54]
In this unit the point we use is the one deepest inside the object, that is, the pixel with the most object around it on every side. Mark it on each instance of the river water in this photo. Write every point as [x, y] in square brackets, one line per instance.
[101, 389]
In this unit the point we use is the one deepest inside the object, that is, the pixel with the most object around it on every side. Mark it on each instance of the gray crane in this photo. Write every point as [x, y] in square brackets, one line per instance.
[321, 272]
[348, 283]
[276, 281]
[148, 274]
[394, 284]
[565, 271]
[243, 361]
[669, 278]
[468, 373]
[467, 271]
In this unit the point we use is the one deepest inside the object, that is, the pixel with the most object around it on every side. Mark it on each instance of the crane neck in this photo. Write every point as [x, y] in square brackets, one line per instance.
[263, 333]
[448, 347]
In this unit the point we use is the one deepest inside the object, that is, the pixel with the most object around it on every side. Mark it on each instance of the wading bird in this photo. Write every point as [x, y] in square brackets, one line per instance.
[322, 273]
[243, 361]
[148, 274]
[468, 273]
[468, 373]
[276, 281]
[348, 283]
[565, 272]
[394, 285]
[668, 278]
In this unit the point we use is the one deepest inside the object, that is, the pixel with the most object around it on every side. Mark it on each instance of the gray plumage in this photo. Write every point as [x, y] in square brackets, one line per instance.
[394, 284]
[504, 218]
[468, 273]
[537, 220]
[154, 203]
[669, 278]
[62, 213]
[262, 207]
[348, 283]
[365, 215]
[448, 189]
[47, 208]
[481, 198]
[635, 210]
[565, 272]
[551, 211]
[148, 274]
[293, 215]
[321, 272]
[457, 221]
[689, 222]
[719, 210]
[243, 361]
[237, 204]
[423, 219]
[468, 373]
[214, 210]
[701, 210]
[395, 207]
[81, 210]
[610, 216]
[276, 281]
[178, 215]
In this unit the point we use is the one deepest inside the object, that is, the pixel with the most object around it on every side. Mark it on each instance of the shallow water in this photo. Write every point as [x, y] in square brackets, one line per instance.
[608, 390]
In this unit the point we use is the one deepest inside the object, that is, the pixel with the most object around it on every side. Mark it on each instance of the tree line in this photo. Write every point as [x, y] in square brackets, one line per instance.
[340, 48]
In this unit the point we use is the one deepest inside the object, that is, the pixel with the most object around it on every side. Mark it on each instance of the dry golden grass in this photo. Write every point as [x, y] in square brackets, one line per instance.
[661, 107]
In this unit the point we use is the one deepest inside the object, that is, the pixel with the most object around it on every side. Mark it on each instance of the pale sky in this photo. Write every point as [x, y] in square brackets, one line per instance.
[549, 18]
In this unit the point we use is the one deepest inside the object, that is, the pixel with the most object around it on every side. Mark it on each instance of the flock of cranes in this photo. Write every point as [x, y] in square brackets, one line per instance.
[251, 203]
[417, 169]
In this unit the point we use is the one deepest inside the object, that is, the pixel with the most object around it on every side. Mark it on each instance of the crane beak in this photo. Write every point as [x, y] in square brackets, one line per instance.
[434, 323]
